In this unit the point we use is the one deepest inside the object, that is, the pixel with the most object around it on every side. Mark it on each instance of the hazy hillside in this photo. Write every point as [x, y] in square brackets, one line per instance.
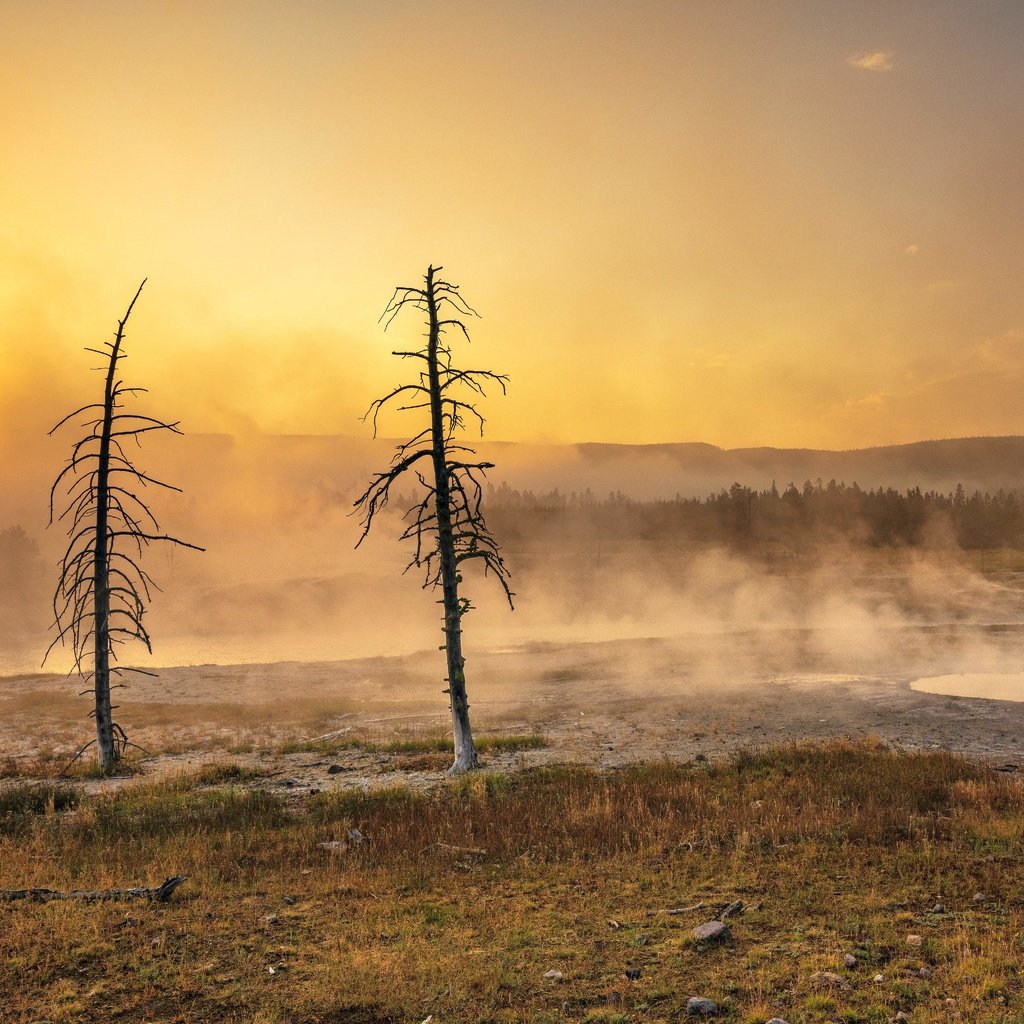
[330, 468]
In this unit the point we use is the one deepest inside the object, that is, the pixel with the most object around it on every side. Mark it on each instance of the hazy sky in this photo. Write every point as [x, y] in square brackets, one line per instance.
[791, 223]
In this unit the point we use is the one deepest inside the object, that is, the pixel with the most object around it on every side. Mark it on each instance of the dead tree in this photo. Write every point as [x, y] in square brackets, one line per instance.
[445, 525]
[102, 590]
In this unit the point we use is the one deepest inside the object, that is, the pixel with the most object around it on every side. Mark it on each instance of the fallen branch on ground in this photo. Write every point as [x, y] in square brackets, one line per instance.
[448, 848]
[160, 893]
[682, 910]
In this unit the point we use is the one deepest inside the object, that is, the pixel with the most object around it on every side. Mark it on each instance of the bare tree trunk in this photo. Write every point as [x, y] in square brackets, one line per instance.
[101, 595]
[465, 752]
[445, 523]
[107, 754]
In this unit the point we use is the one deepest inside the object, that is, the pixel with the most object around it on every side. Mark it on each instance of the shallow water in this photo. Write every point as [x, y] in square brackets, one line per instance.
[989, 685]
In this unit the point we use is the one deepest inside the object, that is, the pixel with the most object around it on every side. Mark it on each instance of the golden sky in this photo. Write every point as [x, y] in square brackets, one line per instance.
[794, 223]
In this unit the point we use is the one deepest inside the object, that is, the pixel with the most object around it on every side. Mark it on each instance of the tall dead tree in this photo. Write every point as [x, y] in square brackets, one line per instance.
[445, 525]
[102, 591]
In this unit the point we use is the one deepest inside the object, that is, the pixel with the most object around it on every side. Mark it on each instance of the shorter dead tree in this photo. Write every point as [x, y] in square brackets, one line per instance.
[445, 525]
[102, 591]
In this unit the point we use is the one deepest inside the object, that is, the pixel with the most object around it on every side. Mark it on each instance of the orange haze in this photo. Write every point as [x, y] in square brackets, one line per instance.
[737, 222]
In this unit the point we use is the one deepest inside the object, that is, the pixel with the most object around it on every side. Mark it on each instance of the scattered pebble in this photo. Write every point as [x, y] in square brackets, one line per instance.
[849, 960]
[980, 897]
[565, 1006]
[270, 918]
[698, 1007]
[633, 973]
[914, 940]
[925, 972]
[950, 1001]
[878, 977]
[776, 1020]
[334, 769]
[939, 908]
[711, 931]
[289, 901]
[901, 1018]
[554, 975]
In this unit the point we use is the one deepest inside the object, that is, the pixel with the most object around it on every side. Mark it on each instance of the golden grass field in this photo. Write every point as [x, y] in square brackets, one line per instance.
[468, 894]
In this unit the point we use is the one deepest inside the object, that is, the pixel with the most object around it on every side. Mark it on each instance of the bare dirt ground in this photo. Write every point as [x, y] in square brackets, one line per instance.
[599, 704]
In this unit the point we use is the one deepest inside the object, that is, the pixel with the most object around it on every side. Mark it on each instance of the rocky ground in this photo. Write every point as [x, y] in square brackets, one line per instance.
[601, 704]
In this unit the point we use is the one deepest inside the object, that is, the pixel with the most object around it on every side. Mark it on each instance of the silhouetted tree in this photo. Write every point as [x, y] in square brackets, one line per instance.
[445, 523]
[102, 591]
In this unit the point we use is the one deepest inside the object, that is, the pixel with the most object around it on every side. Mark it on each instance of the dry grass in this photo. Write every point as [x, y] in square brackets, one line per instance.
[844, 848]
[434, 743]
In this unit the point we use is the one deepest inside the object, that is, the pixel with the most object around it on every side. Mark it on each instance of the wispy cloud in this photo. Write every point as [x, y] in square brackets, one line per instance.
[875, 60]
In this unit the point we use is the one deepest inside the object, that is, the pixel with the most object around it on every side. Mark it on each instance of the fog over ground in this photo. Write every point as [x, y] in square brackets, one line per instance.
[281, 579]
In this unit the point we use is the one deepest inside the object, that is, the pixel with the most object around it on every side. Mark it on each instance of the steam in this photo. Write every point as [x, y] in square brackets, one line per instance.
[281, 581]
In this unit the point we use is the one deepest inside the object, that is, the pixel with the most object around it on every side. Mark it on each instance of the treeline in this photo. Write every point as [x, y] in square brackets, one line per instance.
[794, 518]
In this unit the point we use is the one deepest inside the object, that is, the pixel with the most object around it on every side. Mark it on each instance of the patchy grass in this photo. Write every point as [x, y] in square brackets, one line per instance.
[19, 803]
[433, 744]
[466, 896]
[219, 773]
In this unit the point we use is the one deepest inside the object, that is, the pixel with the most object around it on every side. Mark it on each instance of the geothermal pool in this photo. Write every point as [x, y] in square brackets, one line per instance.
[989, 685]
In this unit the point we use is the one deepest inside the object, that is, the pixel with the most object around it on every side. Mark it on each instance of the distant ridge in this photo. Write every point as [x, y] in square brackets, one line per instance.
[652, 471]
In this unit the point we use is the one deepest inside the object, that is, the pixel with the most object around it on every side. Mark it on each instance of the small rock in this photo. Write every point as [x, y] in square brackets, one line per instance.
[914, 940]
[849, 960]
[356, 838]
[939, 908]
[565, 1006]
[925, 972]
[776, 1020]
[901, 1018]
[289, 901]
[980, 897]
[950, 1001]
[826, 979]
[711, 931]
[698, 1007]
[878, 977]
[554, 975]
[633, 973]
[270, 918]
[334, 769]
